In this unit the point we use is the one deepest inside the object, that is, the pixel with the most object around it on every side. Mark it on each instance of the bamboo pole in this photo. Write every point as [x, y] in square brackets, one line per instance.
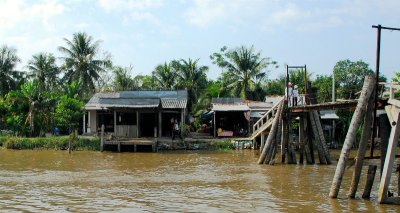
[270, 136]
[370, 181]
[321, 136]
[317, 141]
[270, 158]
[366, 92]
[384, 128]
[365, 136]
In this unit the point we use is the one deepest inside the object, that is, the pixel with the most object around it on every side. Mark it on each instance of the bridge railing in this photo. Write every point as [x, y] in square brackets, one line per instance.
[269, 114]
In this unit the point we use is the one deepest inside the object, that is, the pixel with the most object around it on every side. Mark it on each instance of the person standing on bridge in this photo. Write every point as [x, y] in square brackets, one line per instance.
[288, 93]
[295, 94]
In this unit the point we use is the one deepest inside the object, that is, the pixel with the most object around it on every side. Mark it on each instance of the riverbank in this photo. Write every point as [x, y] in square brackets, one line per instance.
[55, 142]
[92, 143]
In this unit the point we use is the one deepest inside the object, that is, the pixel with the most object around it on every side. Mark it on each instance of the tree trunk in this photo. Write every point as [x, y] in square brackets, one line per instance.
[365, 136]
[366, 92]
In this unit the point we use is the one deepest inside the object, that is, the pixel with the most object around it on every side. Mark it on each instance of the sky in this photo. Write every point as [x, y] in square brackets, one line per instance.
[145, 33]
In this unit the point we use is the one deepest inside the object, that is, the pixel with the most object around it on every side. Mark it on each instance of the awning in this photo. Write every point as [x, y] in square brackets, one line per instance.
[328, 114]
[105, 103]
[173, 103]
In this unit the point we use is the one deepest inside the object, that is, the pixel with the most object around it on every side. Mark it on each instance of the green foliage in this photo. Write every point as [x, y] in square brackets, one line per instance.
[244, 66]
[350, 77]
[276, 87]
[165, 76]
[324, 85]
[221, 145]
[81, 63]
[297, 77]
[68, 112]
[123, 80]
[8, 75]
[57, 143]
[43, 69]
[192, 77]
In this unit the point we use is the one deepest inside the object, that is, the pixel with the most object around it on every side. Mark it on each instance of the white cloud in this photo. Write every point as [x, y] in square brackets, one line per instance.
[15, 12]
[117, 5]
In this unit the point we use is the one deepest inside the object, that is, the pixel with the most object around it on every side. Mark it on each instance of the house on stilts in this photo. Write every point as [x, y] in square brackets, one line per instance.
[135, 114]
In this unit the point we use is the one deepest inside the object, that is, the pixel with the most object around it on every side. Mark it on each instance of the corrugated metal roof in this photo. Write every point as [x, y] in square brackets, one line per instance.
[230, 107]
[138, 99]
[226, 100]
[171, 103]
[273, 99]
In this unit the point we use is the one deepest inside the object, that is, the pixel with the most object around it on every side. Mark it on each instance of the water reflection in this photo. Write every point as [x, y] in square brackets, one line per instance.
[170, 181]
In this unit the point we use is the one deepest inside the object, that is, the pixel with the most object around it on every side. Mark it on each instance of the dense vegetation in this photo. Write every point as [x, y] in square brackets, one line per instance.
[51, 91]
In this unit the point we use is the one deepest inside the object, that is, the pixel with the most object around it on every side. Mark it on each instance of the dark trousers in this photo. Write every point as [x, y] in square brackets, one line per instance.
[294, 101]
[176, 133]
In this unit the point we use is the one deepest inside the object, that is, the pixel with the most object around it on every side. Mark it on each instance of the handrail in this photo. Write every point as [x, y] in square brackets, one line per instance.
[270, 113]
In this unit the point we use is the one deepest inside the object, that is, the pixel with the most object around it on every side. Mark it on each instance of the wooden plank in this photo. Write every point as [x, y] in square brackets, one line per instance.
[325, 148]
[389, 161]
[321, 155]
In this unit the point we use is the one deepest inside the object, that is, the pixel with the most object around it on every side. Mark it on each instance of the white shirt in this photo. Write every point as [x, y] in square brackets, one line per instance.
[295, 93]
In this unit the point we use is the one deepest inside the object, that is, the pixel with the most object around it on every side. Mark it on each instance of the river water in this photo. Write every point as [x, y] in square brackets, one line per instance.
[38, 181]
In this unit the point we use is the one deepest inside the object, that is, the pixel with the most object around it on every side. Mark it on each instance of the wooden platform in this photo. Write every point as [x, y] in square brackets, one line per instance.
[133, 142]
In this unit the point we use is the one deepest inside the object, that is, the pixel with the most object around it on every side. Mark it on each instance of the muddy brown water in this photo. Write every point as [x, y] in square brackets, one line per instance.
[186, 181]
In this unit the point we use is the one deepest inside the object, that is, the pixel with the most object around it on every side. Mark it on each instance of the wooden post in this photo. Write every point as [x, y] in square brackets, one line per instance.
[271, 135]
[262, 141]
[365, 136]
[385, 132]
[318, 143]
[366, 92]
[284, 132]
[398, 180]
[215, 124]
[160, 123]
[84, 123]
[102, 138]
[119, 146]
[301, 139]
[370, 181]
[390, 157]
[115, 123]
[325, 148]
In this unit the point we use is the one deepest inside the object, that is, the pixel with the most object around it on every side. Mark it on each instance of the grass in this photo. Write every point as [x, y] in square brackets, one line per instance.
[55, 142]
[221, 145]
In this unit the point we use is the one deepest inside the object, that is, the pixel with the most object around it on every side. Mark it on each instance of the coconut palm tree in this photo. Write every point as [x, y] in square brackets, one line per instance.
[8, 75]
[245, 68]
[192, 77]
[123, 80]
[44, 69]
[164, 76]
[80, 61]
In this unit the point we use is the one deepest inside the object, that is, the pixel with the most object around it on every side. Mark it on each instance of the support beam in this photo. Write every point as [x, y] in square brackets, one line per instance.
[159, 123]
[84, 123]
[389, 161]
[368, 87]
[115, 122]
[137, 123]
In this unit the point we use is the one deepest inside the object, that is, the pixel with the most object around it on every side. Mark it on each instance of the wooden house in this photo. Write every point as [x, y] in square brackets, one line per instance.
[136, 114]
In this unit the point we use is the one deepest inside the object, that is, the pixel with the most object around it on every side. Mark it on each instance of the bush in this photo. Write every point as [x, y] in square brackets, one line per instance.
[221, 145]
[57, 143]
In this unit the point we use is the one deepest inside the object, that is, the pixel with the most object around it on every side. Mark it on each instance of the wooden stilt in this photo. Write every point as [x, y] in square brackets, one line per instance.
[366, 92]
[365, 136]
[390, 156]
[385, 132]
[102, 138]
[284, 132]
[325, 148]
[301, 139]
[370, 181]
[321, 153]
[270, 137]
[119, 147]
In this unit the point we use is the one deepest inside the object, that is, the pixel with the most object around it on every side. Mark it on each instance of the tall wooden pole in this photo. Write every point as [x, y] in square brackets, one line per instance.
[366, 92]
[366, 134]
[378, 53]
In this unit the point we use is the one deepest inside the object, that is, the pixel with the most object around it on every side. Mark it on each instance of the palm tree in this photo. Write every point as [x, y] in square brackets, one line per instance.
[80, 62]
[8, 62]
[245, 68]
[123, 80]
[192, 77]
[44, 69]
[164, 76]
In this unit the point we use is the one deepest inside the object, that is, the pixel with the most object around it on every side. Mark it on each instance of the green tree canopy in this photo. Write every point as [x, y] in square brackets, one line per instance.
[245, 68]
[123, 80]
[43, 68]
[8, 74]
[81, 63]
[350, 77]
[165, 76]
[192, 77]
